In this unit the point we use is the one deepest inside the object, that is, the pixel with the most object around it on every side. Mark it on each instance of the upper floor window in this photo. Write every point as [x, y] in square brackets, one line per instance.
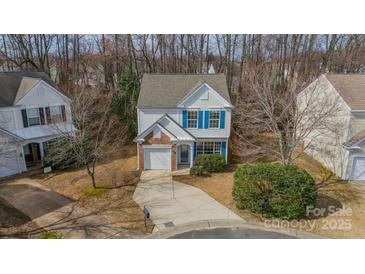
[214, 119]
[192, 119]
[34, 117]
[56, 114]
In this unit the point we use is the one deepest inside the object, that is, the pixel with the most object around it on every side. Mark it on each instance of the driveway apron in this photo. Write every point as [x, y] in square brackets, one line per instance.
[172, 203]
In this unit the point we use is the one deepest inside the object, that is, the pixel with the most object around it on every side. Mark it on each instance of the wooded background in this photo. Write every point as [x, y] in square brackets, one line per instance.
[264, 73]
[74, 60]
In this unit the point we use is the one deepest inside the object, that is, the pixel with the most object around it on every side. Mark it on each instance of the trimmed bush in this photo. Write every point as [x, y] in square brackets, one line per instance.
[210, 162]
[198, 171]
[282, 191]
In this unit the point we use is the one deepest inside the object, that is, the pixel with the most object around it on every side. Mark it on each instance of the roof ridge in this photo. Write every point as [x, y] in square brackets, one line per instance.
[182, 74]
[22, 71]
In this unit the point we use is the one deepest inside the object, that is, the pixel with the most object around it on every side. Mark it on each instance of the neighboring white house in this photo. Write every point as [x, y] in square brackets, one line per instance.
[339, 145]
[181, 116]
[32, 112]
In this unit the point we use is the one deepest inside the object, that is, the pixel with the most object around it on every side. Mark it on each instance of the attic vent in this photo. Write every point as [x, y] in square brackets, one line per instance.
[205, 95]
[157, 133]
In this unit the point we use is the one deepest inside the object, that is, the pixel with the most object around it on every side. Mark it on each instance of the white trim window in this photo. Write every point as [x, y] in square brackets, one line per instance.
[56, 114]
[192, 119]
[214, 119]
[208, 148]
[34, 118]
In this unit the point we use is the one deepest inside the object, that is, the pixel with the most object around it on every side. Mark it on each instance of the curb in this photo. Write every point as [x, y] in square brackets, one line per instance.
[211, 224]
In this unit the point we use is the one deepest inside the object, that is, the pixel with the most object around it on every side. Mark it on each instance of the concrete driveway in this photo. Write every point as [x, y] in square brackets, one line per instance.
[33, 201]
[52, 211]
[172, 203]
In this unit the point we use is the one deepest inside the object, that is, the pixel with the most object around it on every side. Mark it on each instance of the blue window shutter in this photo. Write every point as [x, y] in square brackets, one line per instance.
[206, 119]
[223, 149]
[222, 118]
[194, 152]
[200, 119]
[185, 119]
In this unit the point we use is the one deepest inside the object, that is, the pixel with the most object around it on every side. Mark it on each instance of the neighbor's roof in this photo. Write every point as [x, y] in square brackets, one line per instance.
[351, 88]
[166, 90]
[354, 139]
[14, 85]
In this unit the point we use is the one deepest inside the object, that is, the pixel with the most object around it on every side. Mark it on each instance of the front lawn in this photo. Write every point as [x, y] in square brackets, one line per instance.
[340, 224]
[116, 179]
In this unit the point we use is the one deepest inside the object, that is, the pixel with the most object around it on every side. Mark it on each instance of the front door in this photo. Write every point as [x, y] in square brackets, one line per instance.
[184, 154]
[32, 154]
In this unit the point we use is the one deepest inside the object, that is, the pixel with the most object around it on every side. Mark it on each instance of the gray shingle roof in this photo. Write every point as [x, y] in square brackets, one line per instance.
[10, 82]
[351, 87]
[354, 139]
[166, 90]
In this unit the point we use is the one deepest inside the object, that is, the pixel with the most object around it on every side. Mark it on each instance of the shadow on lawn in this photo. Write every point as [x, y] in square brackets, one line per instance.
[10, 216]
[77, 224]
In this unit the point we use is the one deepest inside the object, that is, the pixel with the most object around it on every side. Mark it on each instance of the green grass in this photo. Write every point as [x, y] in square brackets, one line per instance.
[90, 191]
[50, 235]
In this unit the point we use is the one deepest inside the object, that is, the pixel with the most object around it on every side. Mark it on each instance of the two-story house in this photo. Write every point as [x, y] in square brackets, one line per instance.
[340, 143]
[32, 112]
[181, 116]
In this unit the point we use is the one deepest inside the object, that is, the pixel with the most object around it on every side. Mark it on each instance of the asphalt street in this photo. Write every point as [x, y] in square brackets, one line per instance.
[231, 233]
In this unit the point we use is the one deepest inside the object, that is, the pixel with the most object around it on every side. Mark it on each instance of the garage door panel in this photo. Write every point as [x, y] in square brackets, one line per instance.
[358, 172]
[157, 158]
[8, 163]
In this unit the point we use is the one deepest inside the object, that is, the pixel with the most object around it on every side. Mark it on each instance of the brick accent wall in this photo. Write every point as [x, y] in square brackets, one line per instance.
[149, 140]
[164, 140]
[173, 157]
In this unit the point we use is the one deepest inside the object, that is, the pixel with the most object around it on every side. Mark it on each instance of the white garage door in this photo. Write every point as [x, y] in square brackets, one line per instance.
[358, 172]
[8, 163]
[157, 158]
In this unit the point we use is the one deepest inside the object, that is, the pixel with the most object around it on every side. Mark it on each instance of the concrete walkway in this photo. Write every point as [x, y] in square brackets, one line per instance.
[172, 203]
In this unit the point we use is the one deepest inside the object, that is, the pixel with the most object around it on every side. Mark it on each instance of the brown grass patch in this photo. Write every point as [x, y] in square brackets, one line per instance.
[116, 178]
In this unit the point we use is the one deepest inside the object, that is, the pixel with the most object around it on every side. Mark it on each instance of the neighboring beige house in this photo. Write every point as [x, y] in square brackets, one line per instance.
[339, 144]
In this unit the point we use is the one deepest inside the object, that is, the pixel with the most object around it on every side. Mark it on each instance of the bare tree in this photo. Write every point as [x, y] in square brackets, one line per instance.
[271, 108]
[98, 133]
[7, 142]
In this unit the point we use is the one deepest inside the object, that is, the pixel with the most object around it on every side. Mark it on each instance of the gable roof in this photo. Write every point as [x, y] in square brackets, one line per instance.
[171, 126]
[167, 90]
[351, 87]
[13, 85]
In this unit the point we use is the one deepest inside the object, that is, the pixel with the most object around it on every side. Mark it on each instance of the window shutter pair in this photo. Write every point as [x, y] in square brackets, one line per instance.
[200, 119]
